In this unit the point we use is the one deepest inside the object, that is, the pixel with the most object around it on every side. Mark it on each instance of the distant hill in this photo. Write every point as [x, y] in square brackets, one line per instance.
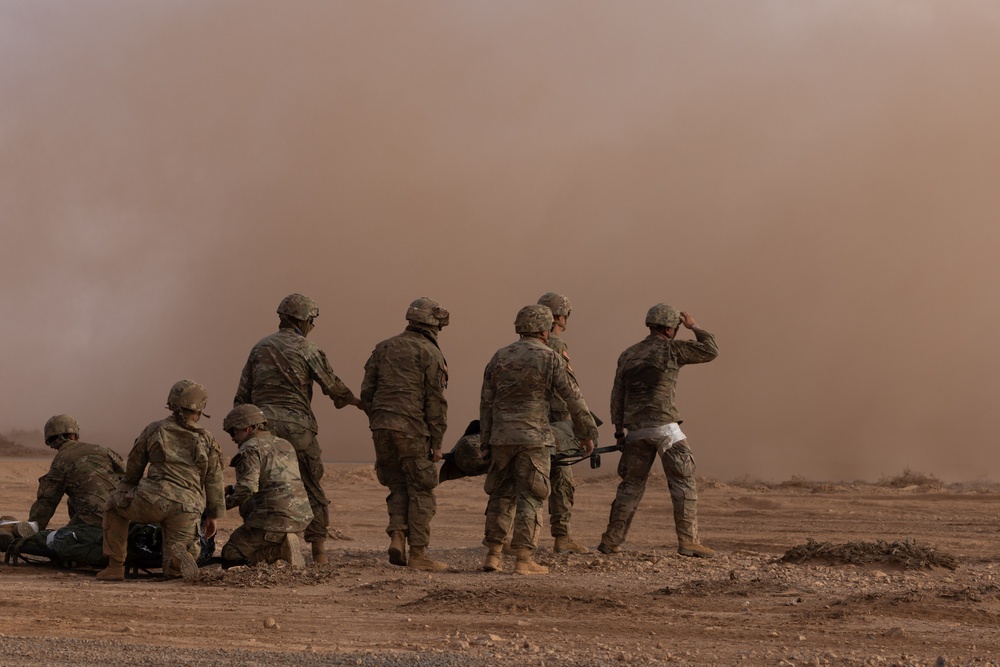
[9, 446]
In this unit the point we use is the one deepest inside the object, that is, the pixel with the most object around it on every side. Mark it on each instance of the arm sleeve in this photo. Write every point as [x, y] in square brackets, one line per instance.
[370, 381]
[486, 405]
[215, 497]
[618, 395]
[697, 352]
[247, 478]
[246, 384]
[51, 487]
[329, 383]
[435, 405]
[565, 385]
[117, 463]
[137, 460]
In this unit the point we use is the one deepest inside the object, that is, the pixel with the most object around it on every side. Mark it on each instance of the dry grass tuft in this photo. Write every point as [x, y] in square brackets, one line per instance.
[906, 554]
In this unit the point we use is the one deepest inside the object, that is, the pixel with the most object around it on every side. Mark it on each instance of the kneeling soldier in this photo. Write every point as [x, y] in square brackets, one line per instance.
[269, 492]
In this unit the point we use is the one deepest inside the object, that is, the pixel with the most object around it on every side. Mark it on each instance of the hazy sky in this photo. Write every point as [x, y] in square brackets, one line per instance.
[816, 182]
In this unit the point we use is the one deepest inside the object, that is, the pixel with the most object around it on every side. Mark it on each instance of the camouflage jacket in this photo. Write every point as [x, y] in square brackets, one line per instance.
[185, 466]
[404, 384]
[278, 378]
[558, 412]
[86, 474]
[518, 386]
[643, 393]
[268, 489]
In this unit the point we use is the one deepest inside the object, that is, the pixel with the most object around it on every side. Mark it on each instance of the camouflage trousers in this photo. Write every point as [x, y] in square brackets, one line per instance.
[636, 462]
[402, 465]
[561, 480]
[253, 545]
[178, 525]
[311, 470]
[518, 482]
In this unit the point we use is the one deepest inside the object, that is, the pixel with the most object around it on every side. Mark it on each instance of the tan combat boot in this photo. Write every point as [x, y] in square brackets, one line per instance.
[569, 545]
[319, 552]
[609, 549]
[397, 548]
[525, 563]
[419, 561]
[493, 554]
[182, 561]
[115, 571]
[695, 550]
[11, 530]
[291, 550]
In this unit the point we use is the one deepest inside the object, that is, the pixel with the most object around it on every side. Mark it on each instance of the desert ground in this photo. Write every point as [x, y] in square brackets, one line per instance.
[646, 606]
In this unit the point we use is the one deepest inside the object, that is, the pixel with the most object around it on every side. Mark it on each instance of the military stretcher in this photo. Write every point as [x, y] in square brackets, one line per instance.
[465, 458]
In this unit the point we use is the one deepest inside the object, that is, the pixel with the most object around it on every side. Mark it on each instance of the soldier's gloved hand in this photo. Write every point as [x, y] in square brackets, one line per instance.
[484, 452]
[688, 320]
[436, 455]
[588, 447]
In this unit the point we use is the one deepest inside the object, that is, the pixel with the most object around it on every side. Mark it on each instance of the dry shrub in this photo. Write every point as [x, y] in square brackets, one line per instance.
[906, 554]
[910, 478]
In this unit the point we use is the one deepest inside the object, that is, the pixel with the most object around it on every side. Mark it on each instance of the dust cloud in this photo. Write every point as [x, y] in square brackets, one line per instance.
[815, 182]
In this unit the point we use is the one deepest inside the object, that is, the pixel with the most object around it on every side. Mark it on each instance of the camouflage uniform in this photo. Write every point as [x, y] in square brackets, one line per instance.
[86, 474]
[184, 479]
[404, 384]
[561, 478]
[270, 496]
[518, 385]
[278, 378]
[642, 398]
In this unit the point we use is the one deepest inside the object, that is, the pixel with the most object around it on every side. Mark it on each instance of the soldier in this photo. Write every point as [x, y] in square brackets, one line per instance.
[642, 401]
[184, 480]
[268, 491]
[403, 390]
[86, 474]
[278, 378]
[518, 386]
[561, 478]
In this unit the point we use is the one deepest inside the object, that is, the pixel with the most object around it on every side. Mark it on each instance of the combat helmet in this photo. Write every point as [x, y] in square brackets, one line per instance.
[242, 416]
[662, 315]
[189, 395]
[60, 425]
[559, 304]
[427, 311]
[298, 306]
[533, 319]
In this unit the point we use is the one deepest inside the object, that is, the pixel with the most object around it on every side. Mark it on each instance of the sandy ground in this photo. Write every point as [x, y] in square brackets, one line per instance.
[645, 606]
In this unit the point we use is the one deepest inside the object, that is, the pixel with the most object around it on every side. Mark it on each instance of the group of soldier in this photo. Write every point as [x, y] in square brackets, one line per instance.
[173, 474]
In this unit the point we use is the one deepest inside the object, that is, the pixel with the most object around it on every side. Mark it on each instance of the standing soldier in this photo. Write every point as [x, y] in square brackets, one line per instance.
[86, 474]
[563, 484]
[278, 378]
[184, 480]
[403, 390]
[642, 401]
[268, 491]
[518, 386]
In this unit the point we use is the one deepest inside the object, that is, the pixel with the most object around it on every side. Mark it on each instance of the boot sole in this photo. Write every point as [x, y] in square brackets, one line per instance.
[694, 554]
[184, 562]
[396, 557]
[291, 551]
